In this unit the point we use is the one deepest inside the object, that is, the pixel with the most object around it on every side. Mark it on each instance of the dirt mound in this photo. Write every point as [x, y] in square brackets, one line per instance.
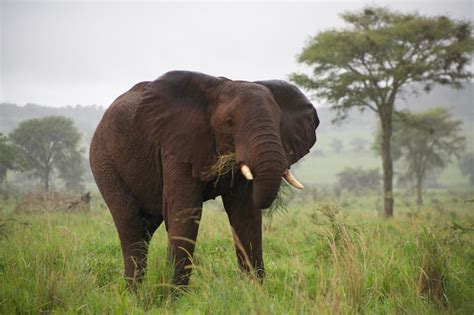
[36, 202]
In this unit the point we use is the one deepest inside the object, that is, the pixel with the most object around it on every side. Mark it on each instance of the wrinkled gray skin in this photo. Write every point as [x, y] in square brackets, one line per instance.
[153, 149]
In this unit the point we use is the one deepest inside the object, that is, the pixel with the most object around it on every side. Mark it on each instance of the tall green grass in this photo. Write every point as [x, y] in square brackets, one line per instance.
[321, 258]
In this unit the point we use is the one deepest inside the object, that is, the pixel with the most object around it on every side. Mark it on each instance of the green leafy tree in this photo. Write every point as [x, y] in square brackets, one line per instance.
[358, 180]
[378, 57]
[424, 143]
[466, 165]
[10, 157]
[49, 144]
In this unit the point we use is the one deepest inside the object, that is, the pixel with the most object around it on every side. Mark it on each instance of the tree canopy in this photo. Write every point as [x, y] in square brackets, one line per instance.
[48, 144]
[384, 51]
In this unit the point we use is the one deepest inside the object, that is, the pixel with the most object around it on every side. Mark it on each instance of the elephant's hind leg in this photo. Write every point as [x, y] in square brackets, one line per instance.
[135, 235]
[134, 228]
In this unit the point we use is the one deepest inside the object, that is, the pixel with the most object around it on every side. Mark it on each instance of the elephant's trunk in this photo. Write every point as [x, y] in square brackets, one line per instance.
[267, 164]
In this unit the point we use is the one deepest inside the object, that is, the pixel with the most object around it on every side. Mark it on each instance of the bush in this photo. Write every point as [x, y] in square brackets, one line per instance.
[359, 180]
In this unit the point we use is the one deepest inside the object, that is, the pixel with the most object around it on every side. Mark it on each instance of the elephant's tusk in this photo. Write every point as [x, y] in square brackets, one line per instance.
[246, 172]
[292, 180]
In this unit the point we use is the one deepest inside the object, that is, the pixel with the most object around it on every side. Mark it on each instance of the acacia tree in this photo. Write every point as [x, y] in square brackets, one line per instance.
[378, 57]
[425, 142]
[49, 143]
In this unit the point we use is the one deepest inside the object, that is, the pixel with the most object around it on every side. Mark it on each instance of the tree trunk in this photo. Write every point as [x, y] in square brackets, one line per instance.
[46, 179]
[419, 192]
[386, 122]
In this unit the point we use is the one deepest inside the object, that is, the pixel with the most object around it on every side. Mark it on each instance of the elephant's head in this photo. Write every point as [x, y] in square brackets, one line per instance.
[195, 118]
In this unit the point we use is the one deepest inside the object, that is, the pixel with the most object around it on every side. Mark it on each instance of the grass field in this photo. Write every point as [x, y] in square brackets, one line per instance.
[322, 165]
[320, 258]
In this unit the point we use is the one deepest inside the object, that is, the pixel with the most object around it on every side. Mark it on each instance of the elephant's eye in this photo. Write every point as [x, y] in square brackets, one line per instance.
[229, 122]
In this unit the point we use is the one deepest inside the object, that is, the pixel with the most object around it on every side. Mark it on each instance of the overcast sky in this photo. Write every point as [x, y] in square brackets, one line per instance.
[68, 53]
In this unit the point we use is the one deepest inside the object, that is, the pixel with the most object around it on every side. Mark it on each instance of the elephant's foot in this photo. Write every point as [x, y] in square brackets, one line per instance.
[254, 269]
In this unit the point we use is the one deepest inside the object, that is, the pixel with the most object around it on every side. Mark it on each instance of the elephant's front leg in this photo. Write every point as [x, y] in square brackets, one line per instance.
[246, 223]
[183, 227]
[182, 213]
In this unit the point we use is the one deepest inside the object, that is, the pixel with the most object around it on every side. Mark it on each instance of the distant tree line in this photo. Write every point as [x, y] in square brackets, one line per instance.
[85, 118]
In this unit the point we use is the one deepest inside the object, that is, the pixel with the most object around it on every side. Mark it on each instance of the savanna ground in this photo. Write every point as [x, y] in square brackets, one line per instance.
[321, 257]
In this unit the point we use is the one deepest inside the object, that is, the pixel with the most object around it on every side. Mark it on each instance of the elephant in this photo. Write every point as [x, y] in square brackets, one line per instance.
[152, 151]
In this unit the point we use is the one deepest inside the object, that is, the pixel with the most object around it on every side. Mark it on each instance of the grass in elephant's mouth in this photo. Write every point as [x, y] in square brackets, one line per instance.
[225, 164]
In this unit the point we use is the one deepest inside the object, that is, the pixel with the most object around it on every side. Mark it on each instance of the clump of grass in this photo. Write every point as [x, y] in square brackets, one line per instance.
[332, 222]
[280, 204]
[434, 263]
[436, 247]
[347, 253]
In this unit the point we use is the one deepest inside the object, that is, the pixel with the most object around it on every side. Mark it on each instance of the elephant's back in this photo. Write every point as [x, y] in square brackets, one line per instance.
[119, 116]
[115, 128]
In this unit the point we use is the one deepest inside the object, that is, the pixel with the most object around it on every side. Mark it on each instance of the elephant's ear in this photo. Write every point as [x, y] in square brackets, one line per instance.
[173, 114]
[299, 119]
